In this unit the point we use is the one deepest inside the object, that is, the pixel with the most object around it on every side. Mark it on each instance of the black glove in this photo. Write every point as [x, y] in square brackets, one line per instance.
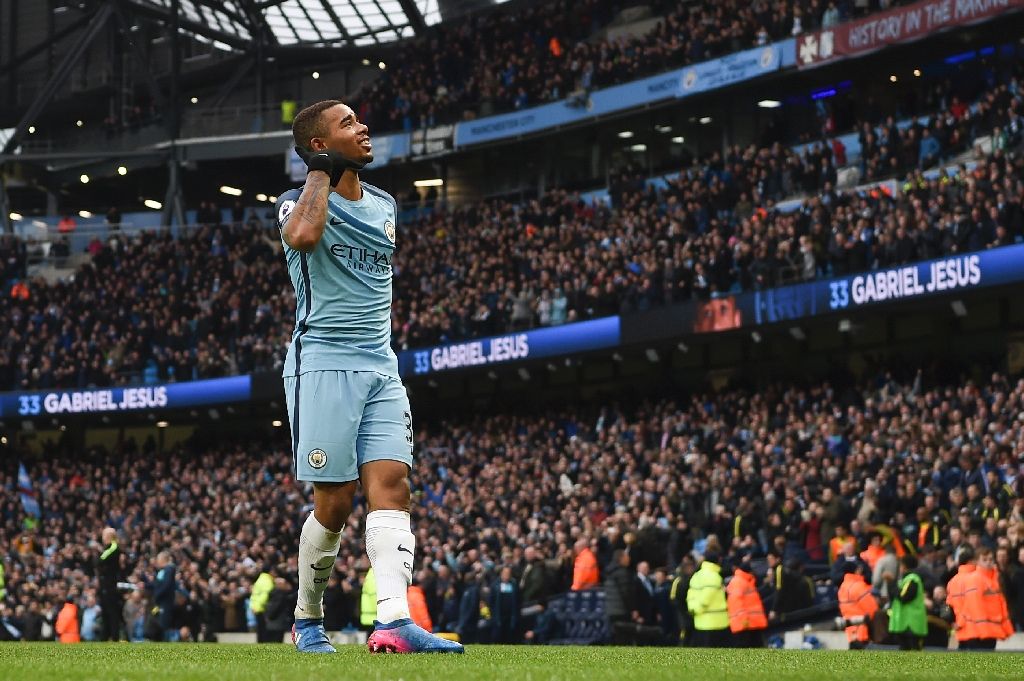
[329, 161]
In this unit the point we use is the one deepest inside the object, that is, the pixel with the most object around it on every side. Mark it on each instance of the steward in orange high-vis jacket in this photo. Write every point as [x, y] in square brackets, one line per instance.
[66, 625]
[959, 588]
[857, 605]
[747, 620]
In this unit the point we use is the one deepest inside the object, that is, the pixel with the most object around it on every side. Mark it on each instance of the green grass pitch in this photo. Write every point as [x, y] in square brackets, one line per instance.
[211, 662]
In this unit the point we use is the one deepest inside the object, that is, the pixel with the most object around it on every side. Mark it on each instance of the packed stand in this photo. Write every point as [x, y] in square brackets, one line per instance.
[887, 150]
[713, 228]
[151, 308]
[217, 300]
[503, 61]
[498, 267]
[515, 509]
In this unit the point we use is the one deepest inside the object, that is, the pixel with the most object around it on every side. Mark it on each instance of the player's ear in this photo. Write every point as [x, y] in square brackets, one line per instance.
[317, 144]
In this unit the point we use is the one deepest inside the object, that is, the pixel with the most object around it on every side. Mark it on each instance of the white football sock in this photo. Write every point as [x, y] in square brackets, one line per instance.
[391, 546]
[318, 548]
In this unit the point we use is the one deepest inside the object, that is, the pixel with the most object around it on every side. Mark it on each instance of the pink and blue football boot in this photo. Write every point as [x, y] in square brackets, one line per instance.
[404, 636]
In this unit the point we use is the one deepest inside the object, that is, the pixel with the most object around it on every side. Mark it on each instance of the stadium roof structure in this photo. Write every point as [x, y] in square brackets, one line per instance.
[230, 23]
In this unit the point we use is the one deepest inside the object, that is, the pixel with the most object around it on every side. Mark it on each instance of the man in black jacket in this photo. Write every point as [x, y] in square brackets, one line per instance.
[535, 587]
[164, 588]
[792, 590]
[279, 609]
[535, 583]
[468, 627]
[1015, 591]
[108, 572]
[622, 599]
[505, 605]
[677, 596]
[339, 603]
[32, 623]
[666, 613]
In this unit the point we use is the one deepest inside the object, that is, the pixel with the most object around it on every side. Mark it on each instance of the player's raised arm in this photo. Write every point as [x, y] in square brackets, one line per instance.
[304, 227]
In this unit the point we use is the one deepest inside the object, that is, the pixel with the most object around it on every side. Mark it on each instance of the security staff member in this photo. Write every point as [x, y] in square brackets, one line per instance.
[956, 597]
[705, 600]
[857, 605]
[837, 543]
[747, 620]
[908, 618]
[368, 600]
[985, 605]
[258, 599]
[108, 571]
[677, 596]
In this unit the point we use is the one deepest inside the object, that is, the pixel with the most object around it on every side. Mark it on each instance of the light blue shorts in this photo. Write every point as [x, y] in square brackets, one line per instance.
[343, 419]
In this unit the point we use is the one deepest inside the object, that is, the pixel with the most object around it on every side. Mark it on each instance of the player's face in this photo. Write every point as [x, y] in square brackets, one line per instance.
[345, 134]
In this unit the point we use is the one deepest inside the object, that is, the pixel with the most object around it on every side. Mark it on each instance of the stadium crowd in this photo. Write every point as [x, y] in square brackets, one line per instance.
[888, 151]
[769, 480]
[503, 61]
[209, 303]
[152, 308]
[712, 229]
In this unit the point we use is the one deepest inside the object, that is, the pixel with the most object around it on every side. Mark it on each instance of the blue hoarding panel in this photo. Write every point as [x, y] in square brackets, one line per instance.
[735, 68]
[788, 57]
[128, 399]
[567, 111]
[949, 275]
[560, 340]
[678, 83]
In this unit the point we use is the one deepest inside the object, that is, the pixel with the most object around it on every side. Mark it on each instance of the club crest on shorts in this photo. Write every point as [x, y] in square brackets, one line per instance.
[317, 458]
[389, 230]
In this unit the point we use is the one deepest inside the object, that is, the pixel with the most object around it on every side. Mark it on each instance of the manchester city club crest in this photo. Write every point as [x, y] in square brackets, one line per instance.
[689, 79]
[317, 458]
[389, 230]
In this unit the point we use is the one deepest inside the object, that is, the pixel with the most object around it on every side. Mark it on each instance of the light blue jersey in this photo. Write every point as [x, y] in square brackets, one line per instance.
[343, 287]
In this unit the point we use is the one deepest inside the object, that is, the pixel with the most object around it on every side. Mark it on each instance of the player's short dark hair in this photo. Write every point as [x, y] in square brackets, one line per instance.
[308, 123]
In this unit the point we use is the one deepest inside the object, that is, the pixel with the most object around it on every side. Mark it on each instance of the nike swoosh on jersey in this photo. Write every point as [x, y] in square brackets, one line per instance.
[402, 548]
[321, 569]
